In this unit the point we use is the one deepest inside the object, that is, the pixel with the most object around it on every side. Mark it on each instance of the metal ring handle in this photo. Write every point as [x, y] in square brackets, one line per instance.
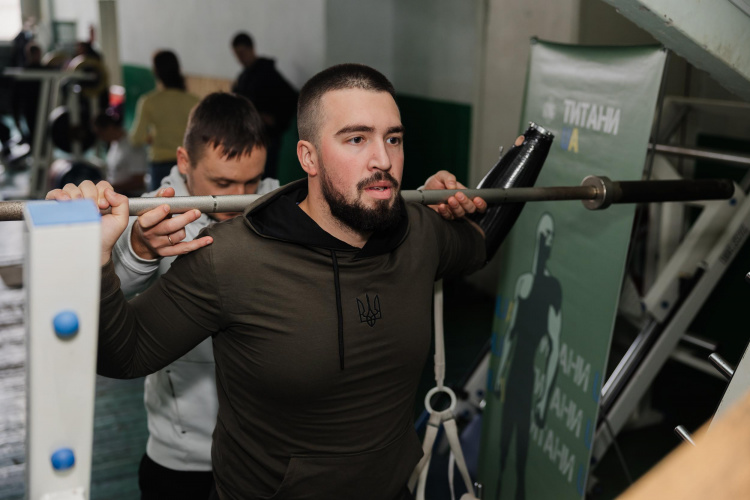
[434, 391]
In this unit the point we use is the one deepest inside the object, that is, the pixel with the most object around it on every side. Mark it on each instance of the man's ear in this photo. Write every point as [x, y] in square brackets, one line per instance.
[183, 160]
[308, 157]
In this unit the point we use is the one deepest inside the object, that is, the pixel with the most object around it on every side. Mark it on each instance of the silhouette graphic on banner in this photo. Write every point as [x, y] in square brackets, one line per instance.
[534, 331]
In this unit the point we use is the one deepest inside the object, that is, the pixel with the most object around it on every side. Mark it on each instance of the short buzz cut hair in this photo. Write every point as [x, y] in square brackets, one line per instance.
[224, 121]
[242, 39]
[339, 77]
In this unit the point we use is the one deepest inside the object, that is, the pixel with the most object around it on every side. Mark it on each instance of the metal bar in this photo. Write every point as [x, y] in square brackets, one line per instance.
[596, 193]
[683, 434]
[721, 364]
[624, 370]
[700, 342]
[704, 154]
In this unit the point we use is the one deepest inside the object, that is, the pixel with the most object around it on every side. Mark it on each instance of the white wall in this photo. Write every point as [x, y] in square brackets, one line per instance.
[84, 12]
[437, 49]
[427, 48]
[361, 31]
[200, 32]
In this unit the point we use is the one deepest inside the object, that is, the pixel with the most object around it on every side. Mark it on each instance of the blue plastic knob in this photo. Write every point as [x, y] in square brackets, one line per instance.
[66, 324]
[63, 459]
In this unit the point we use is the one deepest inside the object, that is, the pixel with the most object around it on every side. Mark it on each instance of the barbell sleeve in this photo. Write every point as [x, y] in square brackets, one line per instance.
[595, 192]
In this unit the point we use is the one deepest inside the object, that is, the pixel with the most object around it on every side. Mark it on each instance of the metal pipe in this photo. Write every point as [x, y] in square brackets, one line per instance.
[683, 434]
[721, 364]
[701, 153]
[595, 192]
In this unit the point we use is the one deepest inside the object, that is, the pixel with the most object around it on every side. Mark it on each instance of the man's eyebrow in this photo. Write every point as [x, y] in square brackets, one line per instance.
[355, 128]
[232, 181]
[399, 129]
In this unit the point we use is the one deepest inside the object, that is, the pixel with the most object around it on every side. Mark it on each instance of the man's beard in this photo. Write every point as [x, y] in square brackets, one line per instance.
[384, 215]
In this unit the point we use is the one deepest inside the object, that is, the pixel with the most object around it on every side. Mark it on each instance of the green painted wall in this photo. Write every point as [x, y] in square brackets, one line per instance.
[437, 137]
[137, 81]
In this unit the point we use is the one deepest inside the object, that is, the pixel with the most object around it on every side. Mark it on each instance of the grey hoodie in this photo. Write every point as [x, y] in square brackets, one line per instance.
[180, 399]
[318, 345]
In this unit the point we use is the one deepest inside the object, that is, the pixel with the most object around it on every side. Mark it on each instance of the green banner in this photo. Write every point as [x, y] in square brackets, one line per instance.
[562, 270]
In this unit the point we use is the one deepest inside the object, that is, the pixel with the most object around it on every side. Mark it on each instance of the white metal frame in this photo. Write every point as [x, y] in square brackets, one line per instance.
[61, 275]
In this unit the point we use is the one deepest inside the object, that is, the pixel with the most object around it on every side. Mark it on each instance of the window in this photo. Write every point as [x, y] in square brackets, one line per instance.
[10, 19]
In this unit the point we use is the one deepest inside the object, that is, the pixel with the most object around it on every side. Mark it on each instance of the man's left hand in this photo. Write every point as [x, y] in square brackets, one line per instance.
[457, 206]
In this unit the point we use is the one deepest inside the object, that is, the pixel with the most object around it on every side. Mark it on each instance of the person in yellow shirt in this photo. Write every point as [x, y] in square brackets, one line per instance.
[161, 116]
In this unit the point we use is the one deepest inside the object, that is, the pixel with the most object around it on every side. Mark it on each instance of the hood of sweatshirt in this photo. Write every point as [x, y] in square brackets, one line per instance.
[278, 215]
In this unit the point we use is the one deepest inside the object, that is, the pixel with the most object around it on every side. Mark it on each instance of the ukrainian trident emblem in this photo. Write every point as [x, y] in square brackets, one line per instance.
[369, 314]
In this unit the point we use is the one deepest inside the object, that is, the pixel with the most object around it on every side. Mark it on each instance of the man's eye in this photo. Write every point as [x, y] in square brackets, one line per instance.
[356, 140]
[394, 140]
[222, 184]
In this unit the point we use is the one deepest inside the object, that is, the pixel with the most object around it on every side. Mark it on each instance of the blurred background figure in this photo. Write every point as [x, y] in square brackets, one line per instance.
[161, 117]
[126, 164]
[88, 60]
[273, 97]
[18, 51]
[25, 101]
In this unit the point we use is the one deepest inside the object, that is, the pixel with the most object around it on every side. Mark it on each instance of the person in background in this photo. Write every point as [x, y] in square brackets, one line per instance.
[161, 116]
[25, 102]
[273, 97]
[126, 164]
[18, 47]
[223, 153]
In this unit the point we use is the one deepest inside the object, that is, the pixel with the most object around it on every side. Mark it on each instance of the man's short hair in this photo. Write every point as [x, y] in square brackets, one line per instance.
[339, 77]
[242, 39]
[226, 121]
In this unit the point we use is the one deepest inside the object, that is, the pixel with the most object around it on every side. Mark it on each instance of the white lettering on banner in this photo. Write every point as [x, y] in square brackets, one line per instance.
[539, 378]
[592, 116]
[566, 410]
[553, 449]
[574, 365]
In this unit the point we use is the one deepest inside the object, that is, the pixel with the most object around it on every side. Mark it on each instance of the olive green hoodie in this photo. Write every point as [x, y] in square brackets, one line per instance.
[319, 345]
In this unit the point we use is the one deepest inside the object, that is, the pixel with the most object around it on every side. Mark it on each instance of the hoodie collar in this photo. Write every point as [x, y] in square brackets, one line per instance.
[277, 215]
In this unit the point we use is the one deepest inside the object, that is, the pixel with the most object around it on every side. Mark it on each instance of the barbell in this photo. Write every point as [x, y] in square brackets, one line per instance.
[596, 193]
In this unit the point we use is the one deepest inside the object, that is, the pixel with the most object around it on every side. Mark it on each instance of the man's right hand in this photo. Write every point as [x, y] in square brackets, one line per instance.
[155, 234]
[105, 197]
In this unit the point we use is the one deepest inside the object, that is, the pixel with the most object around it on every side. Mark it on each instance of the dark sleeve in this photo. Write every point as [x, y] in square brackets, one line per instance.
[163, 323]
[460, 245]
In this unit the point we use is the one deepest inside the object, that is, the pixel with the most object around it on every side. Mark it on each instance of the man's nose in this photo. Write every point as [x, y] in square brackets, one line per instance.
[380, 159]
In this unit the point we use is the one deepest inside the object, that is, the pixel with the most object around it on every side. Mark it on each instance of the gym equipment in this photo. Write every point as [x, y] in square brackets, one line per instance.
[672, 302]
[446, 417]
[51, 83]
[65, 134]
[98, 82]
[62, 316]
[63, 172]
[518, 167]
[596, 192]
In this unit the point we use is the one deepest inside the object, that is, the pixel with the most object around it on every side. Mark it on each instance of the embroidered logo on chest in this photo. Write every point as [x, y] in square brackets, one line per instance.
[369, 313]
